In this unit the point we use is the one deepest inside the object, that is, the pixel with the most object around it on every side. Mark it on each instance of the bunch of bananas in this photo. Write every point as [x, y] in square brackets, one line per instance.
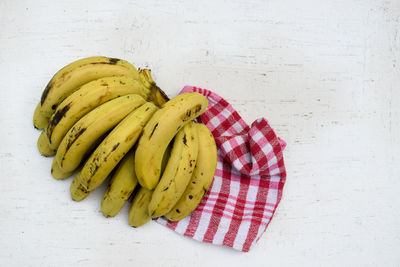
[102, 117]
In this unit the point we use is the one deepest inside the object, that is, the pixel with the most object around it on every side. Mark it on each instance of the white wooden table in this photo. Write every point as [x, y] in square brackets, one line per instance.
[326, 74]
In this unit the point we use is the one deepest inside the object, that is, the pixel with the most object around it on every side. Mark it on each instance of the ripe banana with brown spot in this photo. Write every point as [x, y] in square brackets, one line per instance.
[159, 132]
[178, 172]
[78, 192]
[203, 175]
[120, 187]
[114, 147]
[138, 213]
[88, 97]
[75, 74]
[83, 135]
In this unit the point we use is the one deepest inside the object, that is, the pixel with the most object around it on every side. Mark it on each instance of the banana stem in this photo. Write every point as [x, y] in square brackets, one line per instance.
[157, 96]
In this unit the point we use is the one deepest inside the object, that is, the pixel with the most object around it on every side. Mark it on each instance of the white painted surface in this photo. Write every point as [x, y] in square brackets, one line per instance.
[326, 74]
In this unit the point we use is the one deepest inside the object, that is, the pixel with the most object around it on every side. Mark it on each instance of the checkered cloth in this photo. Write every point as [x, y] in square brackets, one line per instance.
[248, 182]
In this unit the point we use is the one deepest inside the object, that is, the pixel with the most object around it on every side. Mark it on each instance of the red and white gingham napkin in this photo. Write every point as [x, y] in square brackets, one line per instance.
[248, 182]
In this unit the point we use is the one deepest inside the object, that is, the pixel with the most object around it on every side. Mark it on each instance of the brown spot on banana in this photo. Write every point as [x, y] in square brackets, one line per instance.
[141, 199]
[93, 169]
[46, 92]
[100, 99]
[64, 77]
[74, 138]
[108, 188]
[131, 136]
[196, 109]
[113, 61]
[95, 164]
[55, 119]
[115, 146]
[184, 140]
[152, 132]
[191, 162]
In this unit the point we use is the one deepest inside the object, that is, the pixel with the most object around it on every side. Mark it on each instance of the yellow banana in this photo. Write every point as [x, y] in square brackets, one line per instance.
[113, 148]
[138, 213]
[82, 71]
[159, 132]
[120, 187]
[203, 175]
[178, 172]
[89, 96]
[78, 192]
[58, 173]
[83, 135]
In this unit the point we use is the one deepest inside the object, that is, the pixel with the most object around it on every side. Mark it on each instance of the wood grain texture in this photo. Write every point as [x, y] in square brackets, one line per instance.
[326, 75]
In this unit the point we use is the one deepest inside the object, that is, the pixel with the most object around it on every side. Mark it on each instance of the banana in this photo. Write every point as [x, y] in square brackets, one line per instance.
[113, 148]
[160, 130]
[58, 173]
[177, 173]
[83, 135]
[82, 71]
[78, 192]
[138, 213]
[39, 122]
[203, 175]
[43, 146]
[120, 187]
[89, 96]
